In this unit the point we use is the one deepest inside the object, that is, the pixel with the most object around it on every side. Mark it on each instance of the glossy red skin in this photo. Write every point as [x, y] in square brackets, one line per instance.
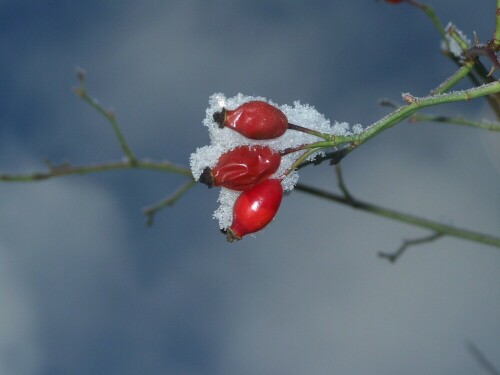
[257, 120]
[255, 208]
[244, 167]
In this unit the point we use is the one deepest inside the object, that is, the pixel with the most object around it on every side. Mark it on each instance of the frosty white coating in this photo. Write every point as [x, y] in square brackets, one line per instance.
[453, 45]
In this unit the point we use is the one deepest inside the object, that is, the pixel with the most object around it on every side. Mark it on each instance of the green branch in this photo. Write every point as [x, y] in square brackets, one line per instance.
[496, 38]
[429, 12]
[393, 257]
[403, 217]
[479, 73]
[456, 121]
[415, 104]
[462, 72]
[67, 170]
[151, 211]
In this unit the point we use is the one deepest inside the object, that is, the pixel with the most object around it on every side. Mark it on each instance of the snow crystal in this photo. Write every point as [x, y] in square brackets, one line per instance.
[453, 45]
[225, 139]
[224, 213]
[357, 128]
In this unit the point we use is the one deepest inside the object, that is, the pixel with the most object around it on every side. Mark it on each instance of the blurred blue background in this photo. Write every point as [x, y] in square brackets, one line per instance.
[87, 288]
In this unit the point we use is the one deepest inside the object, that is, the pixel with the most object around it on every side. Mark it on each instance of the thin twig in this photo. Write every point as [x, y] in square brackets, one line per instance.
[481, 359]
[429, 12]
[456, 121]
[67, 170]
[306, 130]
[496, 35]
[334, 157]
[462, 72]
[393, 257]
[479, 70]
[384, 102]
[413, 105]
[444, 229]
[486, 51]
[152, 210]
[109, 115]
[342, 185]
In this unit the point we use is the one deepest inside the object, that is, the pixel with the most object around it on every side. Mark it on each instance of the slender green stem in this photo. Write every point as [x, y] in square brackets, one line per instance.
[301, 159]
[429, 12]
[403, 217]
[462, 72]
[456, 121]
[479, 69]
[67, 170]
[335, 141]
[393, 257]
[415, 104]
[107, 114]
[307, 130]
[151, 211]
[341, 183]
[484, 362]
[496, 38]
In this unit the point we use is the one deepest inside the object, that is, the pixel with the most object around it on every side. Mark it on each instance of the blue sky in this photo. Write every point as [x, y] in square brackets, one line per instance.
[87, 288]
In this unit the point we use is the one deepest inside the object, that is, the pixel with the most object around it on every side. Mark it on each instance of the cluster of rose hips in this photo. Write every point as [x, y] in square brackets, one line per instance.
[250, 169]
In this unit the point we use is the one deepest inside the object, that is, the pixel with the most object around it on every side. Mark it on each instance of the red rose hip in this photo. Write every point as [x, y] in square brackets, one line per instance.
[255, 208]
[254, 120]
[242, 168]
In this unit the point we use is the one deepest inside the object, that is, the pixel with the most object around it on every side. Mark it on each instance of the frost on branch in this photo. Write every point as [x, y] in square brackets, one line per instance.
[225, 139]
[452, 45]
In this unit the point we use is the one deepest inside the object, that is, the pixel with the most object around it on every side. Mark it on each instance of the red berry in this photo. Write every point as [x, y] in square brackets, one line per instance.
[242, 168]
[394, 1]
[254, 120]
[255, 208]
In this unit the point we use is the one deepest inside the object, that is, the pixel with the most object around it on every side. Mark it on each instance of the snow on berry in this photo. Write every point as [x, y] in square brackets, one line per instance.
[225, 139]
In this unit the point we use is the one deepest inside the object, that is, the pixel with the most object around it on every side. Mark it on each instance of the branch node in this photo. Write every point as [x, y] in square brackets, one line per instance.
[408, 98]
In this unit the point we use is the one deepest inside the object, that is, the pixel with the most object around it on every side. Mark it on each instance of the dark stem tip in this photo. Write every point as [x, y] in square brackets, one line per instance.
[230, 235]
[207, 177]
[220, 117]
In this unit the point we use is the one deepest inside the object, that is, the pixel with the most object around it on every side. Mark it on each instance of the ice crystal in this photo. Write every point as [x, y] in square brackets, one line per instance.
[453, 46]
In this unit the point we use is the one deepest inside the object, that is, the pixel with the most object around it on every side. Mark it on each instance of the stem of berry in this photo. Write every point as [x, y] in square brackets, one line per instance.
[301, 159]
[291, 150]
[307, 130]
[429, 12]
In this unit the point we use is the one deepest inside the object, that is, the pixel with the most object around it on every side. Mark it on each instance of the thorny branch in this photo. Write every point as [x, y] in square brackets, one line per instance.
[479, 74]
